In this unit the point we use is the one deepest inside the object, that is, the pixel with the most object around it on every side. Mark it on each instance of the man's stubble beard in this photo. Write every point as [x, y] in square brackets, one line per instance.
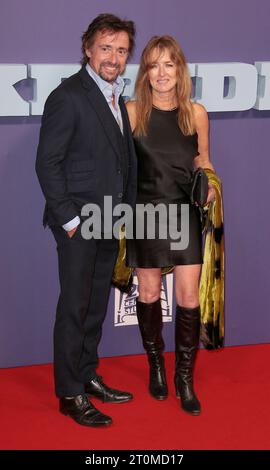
[109, 78]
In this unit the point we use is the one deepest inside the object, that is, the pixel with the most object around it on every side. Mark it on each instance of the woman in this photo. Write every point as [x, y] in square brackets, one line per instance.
[171, 139]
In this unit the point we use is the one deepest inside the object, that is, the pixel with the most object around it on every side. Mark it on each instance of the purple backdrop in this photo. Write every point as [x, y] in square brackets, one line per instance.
[35, 31]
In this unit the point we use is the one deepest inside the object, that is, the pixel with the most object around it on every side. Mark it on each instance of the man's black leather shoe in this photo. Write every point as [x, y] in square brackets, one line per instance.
[83, 412]
[97, 388]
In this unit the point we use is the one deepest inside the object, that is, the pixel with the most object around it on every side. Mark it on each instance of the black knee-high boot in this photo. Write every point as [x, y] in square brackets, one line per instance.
[187, 335]
[150, 323]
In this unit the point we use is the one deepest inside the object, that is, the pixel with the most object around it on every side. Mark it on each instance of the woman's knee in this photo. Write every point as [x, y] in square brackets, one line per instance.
[149, 294]
[149, 285]
[188, 299]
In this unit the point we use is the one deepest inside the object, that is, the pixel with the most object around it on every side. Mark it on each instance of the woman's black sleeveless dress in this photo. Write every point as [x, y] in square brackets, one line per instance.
[165, 166]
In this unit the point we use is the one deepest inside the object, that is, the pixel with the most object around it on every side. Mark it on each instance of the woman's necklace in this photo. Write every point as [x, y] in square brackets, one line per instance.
[164, 109]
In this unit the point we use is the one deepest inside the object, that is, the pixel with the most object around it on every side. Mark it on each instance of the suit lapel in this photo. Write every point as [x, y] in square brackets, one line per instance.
[101, 108]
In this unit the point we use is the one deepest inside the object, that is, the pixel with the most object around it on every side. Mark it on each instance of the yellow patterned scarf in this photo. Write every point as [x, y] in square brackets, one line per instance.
[212, 275]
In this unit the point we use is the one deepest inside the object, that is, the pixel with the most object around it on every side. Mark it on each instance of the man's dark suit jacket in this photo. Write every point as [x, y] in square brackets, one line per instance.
[82, 154]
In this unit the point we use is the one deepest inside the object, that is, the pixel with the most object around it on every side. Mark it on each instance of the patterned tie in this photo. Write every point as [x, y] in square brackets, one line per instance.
[113, 100]
[117, 109]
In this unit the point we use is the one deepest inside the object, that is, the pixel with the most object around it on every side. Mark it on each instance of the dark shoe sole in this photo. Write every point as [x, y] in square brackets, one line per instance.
[159, 397]
[123, 400]
[93, 425]
[193, 413]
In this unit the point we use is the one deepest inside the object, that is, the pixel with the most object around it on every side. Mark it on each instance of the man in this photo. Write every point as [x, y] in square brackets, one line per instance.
[86, 152]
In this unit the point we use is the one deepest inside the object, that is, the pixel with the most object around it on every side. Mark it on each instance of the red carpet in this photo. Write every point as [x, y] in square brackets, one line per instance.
[233, 386]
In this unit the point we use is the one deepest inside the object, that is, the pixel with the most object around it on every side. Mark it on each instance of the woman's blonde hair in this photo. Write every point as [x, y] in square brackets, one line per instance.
[143, 90]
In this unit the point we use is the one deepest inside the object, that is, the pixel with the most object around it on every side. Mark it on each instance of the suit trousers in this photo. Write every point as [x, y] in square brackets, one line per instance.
[85, 271]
